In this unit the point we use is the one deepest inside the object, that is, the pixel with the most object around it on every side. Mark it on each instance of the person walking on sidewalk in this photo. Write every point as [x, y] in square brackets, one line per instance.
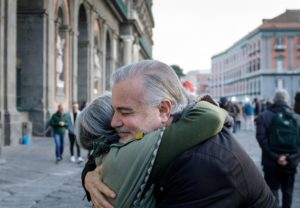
[72, 115]
[278, 136]
[59, 124]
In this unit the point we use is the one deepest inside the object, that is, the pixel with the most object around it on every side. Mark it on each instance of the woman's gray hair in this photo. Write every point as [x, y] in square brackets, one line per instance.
[94, 122]
[160, 83]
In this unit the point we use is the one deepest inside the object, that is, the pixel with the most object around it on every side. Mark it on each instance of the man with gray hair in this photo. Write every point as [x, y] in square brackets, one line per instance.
[277, 132]
[217, 173]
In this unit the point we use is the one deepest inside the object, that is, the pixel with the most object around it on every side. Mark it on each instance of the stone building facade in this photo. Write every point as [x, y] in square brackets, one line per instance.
[60, 51]
[266, 59]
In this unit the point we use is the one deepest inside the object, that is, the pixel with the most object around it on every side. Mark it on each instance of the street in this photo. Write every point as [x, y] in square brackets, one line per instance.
[30, 178]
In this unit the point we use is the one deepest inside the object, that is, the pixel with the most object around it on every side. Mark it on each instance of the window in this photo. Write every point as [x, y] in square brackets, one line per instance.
[258, 45]
[279, 43]
[280, 84]
[249, 67]
[258, 64]
[279, 63]
[254, 65]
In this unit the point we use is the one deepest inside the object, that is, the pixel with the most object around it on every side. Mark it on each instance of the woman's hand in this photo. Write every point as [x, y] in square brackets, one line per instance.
[97, 189]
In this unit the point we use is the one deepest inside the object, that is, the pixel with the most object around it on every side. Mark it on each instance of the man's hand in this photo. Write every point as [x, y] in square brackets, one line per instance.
[282, 160]
[97, 189]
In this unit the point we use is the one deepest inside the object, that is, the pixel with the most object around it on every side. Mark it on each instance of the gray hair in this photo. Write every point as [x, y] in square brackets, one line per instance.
[281, 95]
[94, 122]
[160, 83]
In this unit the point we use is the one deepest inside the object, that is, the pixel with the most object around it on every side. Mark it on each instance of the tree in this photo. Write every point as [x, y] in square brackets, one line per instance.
[178, 71]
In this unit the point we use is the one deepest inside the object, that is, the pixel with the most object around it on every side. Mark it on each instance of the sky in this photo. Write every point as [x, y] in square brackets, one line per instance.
[188, 33]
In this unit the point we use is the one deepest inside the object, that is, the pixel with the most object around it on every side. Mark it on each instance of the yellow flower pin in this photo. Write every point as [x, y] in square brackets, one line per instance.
[139, 135]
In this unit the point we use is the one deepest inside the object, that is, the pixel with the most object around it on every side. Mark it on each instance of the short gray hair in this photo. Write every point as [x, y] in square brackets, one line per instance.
[281, 95]
[160, 83]
[94, 121]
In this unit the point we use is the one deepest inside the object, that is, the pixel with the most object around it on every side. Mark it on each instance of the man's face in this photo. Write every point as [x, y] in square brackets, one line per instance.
[75, 107]
[132, 115]
[61, 109]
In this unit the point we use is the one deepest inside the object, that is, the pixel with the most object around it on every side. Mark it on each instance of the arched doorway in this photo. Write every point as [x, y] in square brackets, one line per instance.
[82, 57]
[29, 57]
[108, 67]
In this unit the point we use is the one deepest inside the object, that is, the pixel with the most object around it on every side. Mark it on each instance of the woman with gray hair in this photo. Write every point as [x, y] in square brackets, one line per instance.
[95, 122]
[143, 156]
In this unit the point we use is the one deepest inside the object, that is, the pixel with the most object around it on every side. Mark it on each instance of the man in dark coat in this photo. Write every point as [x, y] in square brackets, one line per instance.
[216, 174]
[279, 167]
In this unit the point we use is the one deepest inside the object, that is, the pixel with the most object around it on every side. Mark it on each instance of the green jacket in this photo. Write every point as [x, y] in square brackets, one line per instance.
[127, 167]
[54, 123]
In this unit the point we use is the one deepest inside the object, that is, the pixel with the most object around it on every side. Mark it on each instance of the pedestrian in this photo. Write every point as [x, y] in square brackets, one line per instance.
[249, 115]
[217, 173]
[239, 116]
[59, 124]
[83, 105]
[297, 103]
[257, 107]
[72, 115]
[278, 136]
[136, 156]
[232, 109]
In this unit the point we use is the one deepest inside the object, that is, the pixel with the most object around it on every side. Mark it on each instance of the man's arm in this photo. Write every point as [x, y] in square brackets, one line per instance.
[262, 137]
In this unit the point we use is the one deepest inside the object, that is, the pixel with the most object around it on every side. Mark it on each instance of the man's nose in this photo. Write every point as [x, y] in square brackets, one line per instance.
[116, 121]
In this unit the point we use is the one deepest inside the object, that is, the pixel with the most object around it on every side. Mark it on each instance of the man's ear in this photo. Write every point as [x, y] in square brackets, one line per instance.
[165, 109]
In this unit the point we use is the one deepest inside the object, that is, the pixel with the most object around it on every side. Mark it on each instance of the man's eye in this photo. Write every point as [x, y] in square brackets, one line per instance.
[126, 113]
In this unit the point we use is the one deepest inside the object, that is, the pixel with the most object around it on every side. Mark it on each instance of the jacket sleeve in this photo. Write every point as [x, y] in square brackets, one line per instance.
[89, 166]
[294, 159]
[202, 122]
[53, 121]
[66, 120]
[262, 137]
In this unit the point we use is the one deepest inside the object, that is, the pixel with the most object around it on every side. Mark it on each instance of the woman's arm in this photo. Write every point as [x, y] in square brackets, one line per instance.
[202, 122]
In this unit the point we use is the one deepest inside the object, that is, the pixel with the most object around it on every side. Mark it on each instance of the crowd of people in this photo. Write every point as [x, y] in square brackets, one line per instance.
[277, 132]
[245, 113]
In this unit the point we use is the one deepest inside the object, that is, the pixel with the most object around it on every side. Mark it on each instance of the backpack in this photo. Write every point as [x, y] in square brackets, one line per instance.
[248, 109]
[284, 133]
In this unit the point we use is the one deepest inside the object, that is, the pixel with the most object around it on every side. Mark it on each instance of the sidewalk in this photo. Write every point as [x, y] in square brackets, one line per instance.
[31, 178]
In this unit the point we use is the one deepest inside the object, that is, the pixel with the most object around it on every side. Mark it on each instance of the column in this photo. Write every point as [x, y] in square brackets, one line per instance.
[12, 126]
[1, 76]
[136, 52]
[128, 42]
